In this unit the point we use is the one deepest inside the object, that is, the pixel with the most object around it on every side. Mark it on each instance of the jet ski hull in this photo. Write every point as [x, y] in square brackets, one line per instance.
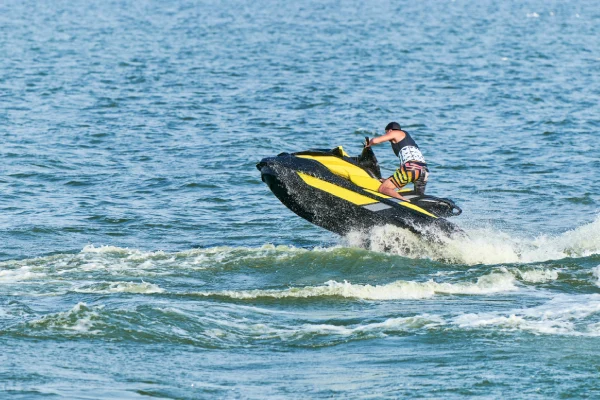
[317, 206]
[313, 192]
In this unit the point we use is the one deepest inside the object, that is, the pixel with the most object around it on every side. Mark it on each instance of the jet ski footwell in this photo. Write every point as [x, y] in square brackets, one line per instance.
[339, 193]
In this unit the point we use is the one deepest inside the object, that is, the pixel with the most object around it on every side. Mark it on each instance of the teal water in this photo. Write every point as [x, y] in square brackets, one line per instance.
[142, 256]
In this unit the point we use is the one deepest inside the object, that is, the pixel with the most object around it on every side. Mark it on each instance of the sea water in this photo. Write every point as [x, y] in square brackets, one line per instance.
[142, 256]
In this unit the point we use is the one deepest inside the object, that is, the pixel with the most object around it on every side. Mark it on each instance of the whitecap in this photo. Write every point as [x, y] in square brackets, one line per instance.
[482, 245]
[79, 319]
[540, 275]
[565, 315]
[495, 282]
[18, 275]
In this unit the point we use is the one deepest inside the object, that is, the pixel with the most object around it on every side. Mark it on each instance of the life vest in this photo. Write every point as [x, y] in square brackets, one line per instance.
[407, 150]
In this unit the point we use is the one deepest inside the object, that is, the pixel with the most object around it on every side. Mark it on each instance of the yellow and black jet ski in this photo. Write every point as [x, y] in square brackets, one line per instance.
[339, 193]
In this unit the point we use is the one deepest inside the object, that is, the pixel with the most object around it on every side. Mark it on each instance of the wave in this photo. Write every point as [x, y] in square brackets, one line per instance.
[479, 246]
[192, 259]
[20, 274]
[81, 319]
[79, 273]
[134, 262]
[227, 326]
[483, 245]
[120, 287]
[487, 284]
[536, 275]
[563, 315]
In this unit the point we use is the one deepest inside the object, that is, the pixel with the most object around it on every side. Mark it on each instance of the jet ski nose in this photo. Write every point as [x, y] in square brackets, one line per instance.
[267, 174]
[265, 162]
[261, 164]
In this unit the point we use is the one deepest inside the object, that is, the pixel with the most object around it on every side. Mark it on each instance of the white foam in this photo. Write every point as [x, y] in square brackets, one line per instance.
[123, 262]
[377, 329]
[564, 315]
[514, 322]
[541, 275]
[80, 319]
[573, 315]
[106, 249]
[483, 245]
[486, 284]
[198, 259]
[306, 331]
[122, 287]
[18, 275]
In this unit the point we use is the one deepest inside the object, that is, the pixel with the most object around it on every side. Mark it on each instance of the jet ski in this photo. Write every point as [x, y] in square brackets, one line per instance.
[339, 193]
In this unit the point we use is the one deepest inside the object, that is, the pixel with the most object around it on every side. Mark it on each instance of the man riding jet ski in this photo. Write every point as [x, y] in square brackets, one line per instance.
[413, 167]
[342, 193]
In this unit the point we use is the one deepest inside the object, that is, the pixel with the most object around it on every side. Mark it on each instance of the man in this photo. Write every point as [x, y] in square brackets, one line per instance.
[413, 167]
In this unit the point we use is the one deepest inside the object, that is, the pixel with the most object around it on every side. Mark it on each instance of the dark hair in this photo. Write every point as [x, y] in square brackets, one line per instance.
[393, 126]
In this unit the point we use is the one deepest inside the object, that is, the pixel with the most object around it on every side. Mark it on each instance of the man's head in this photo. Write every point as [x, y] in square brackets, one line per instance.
[393, 126]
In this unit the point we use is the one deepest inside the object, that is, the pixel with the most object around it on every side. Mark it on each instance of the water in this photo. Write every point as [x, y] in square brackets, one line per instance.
[142, 256]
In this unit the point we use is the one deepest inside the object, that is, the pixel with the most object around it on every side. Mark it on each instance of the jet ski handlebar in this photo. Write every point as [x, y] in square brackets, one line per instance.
[368, 161]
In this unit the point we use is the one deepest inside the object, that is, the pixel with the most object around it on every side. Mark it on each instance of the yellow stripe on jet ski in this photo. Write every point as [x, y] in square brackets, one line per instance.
[356, 175]
[346, 170]
[416, 208]
[337, 191]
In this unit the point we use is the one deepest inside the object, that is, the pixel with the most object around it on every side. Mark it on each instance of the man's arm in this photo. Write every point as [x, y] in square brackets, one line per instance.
[384, 138]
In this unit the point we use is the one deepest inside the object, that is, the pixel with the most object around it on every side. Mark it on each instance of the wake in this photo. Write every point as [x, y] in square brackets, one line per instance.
[482, 245]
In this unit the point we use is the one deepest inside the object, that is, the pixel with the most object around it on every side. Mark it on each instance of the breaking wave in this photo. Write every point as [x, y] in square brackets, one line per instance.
[20, 274]
[81, 319]
[487, 284]
[562, 315]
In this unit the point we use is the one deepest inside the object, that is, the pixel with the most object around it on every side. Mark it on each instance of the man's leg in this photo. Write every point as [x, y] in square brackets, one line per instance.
[421, 182]
[388, 188]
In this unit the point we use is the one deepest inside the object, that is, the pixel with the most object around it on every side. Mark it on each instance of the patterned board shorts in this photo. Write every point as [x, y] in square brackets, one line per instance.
[411, 172]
